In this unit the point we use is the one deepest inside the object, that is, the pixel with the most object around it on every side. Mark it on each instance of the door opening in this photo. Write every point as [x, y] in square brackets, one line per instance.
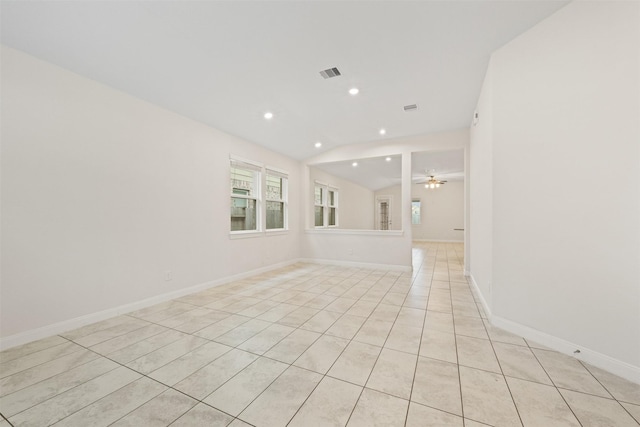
[383, 212]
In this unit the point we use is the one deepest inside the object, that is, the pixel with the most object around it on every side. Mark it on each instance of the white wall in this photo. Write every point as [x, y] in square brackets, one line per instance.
[566, 107]
[355, 203]
[442, 211]
[480, 262]
[102, 193]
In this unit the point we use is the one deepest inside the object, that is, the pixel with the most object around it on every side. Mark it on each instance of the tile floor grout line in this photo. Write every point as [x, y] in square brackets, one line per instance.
[61, 373]
[515, 405]
[79, 385]
[292, 363]
[43, 363]
[415, 369]
[379, 353]
[343, 350]
[33, 352]
[45, 379]
[455, 339]
[598, 380]
[553, 383]
[142, 375]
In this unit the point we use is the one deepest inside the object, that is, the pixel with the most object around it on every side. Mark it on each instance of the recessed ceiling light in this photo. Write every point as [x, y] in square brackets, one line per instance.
[388, 159]
[354, 91]
[318, 144]
[268, 115]
[354, 164]
[383, 131]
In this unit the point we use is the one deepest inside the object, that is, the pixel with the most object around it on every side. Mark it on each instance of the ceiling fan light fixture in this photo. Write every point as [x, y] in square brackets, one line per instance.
[432, 182]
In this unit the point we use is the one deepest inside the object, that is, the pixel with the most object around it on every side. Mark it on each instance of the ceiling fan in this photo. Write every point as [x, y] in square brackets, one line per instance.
[431, 182]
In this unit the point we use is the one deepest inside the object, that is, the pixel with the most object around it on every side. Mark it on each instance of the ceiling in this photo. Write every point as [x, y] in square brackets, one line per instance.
[373, 173]
[226, 63]
[377, 173]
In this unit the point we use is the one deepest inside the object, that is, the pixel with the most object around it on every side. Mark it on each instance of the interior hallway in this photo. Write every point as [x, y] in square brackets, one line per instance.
[311, 345]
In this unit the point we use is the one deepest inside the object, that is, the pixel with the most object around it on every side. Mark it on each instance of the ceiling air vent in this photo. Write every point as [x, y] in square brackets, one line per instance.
[330, 72]
[412, 107]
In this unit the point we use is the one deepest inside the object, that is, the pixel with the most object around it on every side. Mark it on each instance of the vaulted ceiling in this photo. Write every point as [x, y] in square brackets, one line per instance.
[226, 63]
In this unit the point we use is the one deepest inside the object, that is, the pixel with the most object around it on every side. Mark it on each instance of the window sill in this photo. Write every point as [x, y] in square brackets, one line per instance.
[343, 231]
[277, 232]
[244, 234]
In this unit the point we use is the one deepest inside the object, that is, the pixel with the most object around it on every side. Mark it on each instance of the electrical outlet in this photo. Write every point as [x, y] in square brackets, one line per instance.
[350, 251]
[168, 275]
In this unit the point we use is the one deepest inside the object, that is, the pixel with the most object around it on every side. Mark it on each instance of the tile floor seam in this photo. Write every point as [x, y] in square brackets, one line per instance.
[48, 378]
[89, 404]
[43, 363]
[415, 369]
[290, 365]
[376, 362]
[500, 366]
[515, 405]
[69, 389]
[141, 376]
[597, 379]
[455, 338]
[345, 347]
[553, 383]
[35, 351]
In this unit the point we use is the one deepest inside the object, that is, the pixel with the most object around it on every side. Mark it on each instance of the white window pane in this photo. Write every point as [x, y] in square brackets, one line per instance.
[243, 214]
[319, 196]
[319, 216]
[275, 215]
[415, 212]
[244, 181]
[274, 188]
[332, 216]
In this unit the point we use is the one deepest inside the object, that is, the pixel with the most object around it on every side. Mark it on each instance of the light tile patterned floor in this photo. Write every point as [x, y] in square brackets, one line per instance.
[311, 345]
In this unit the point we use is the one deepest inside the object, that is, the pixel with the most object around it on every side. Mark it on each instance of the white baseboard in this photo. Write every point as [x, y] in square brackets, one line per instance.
[608, 363]
[438, 241]
[391, 267]
[602, 361]
[486, 307]
[67, 325]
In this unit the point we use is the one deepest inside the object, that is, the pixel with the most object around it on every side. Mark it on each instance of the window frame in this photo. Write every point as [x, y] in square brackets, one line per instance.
[330, 206]
[419, 211]
[284, 199]
[257, 170]
[325, 204]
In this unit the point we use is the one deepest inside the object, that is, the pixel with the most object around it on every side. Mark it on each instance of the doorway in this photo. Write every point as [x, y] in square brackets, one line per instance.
[383, 212]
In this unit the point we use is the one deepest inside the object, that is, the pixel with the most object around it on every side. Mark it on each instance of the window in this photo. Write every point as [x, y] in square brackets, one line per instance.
[245, 196]
[415, 211]
[319, 204]
[326, 206]
[276, 200]
[333, 207]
